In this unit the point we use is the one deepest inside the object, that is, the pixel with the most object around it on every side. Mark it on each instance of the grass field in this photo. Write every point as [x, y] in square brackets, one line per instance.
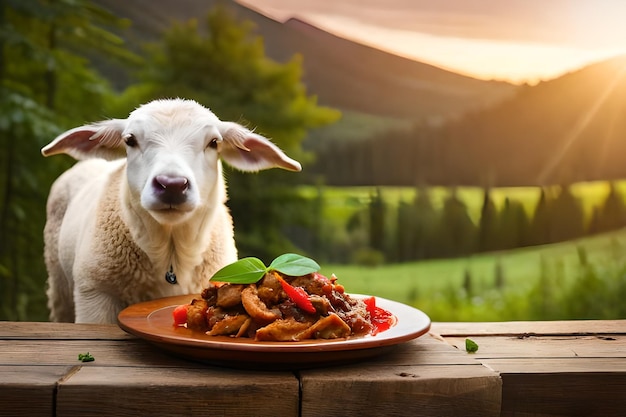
[543, 282]
[437, 286]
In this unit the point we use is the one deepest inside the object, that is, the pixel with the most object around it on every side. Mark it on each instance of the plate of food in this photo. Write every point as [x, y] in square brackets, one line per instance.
[286, 316]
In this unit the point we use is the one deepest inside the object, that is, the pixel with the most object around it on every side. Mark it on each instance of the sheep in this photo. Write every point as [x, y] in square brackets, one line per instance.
[142, 214]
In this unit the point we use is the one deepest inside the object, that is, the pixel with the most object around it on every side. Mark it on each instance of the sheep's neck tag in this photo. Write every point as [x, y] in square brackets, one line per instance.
[170, 276]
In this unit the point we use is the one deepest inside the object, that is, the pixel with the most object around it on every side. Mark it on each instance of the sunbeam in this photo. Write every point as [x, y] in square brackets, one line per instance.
[579, 127]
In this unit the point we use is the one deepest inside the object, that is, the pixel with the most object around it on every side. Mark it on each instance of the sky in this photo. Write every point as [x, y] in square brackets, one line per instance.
[513, 40]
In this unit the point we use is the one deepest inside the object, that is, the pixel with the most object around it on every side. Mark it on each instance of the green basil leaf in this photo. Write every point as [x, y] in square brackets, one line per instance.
[244, 271]
[294, 265]
[471, 346]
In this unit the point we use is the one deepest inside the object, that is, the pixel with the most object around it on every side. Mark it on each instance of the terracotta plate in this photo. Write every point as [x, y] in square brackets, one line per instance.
[152, 321]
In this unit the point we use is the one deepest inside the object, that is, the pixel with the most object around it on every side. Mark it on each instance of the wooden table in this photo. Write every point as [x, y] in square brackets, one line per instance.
[520, 369]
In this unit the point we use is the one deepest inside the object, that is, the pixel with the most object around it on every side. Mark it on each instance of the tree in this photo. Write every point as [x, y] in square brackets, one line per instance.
[568, 217]
[513, 225]
[222, 66]
[46, 85]
[377, 211]
[540, 228]
[456, 229]
[611, 215]
[488, 226]
[420, 233]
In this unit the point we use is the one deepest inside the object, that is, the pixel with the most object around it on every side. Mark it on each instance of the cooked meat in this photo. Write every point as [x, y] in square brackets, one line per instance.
[270, 291]
[229, 295]
[321, 304]
[282, 330]
[309, 283]
[230, 325]
[196, 315]
[329, 327]
[256, 308]
[357, 317]
[210, 293]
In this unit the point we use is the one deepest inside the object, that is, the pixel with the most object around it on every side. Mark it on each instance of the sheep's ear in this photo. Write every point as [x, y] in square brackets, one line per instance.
[98, 140]
[247, 151]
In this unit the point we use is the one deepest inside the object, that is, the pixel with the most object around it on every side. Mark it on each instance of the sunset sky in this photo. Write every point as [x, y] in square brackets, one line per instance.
[513, 40]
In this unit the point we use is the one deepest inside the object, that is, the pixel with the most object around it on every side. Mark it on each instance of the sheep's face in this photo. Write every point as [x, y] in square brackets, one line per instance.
[173, 163]
[173, 149]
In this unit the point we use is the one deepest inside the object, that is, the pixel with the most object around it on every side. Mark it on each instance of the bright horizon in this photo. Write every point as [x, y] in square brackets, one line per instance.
[524, 42]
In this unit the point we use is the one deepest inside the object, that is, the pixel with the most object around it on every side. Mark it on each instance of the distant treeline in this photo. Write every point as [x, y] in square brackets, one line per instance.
[418, 230]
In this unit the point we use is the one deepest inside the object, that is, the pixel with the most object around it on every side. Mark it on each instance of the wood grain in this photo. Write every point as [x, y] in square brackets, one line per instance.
[29, 390]
[564, 394]
[520, 369]
[520, 328]
[546, 346]
[129, 391]
[446, 390]
[67, 331]
[553, 373]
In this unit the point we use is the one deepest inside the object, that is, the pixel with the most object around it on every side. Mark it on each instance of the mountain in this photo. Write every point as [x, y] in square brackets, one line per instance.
[560, 131]
[566, 130]
[341, 73]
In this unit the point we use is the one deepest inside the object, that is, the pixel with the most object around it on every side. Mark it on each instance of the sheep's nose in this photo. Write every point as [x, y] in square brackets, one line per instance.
[171, 190]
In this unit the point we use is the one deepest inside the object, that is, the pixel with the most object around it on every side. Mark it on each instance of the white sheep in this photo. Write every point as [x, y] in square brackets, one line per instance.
[153, 224]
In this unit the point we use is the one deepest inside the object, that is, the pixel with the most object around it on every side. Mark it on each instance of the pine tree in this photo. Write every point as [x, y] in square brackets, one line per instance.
[425, 224]
[377, 210]
[456, 229]
[488, 226]
[568, 217]
[611, 215]
[541, 227]
[514, 225]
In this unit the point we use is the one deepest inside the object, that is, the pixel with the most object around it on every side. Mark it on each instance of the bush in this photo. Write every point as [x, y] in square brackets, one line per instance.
[368, 257]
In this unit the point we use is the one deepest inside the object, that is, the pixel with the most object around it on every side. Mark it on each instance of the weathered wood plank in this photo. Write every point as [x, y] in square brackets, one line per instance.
[446, 390]
[570, 327]
[557, 365]
[51, 331]
[135, 352]
[564, 394]
[425, 350]
[106, 353]
[130, 391]
[545, 346]
[29, 390]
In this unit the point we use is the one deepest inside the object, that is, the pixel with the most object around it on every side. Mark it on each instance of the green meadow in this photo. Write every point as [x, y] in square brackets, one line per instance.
[582, 278]
[559, 281]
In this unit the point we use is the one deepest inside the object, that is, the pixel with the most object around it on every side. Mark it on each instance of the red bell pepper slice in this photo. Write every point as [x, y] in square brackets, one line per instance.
[180, 315]
[297, 295]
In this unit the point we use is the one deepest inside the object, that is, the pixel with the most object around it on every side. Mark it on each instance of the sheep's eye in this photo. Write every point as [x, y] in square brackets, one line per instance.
[213, 143]
[131, 140]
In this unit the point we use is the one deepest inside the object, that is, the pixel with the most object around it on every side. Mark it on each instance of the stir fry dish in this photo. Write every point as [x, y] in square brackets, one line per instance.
[281, 307]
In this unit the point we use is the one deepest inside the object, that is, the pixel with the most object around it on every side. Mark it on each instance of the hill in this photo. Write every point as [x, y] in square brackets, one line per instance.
[341, 73]
[566, 130]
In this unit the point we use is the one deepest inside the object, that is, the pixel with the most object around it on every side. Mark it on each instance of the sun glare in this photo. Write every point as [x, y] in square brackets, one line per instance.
[480, 58]
[573, 135]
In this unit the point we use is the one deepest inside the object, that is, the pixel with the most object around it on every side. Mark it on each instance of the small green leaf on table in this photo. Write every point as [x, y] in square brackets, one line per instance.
[86, 357]
[471, 346]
